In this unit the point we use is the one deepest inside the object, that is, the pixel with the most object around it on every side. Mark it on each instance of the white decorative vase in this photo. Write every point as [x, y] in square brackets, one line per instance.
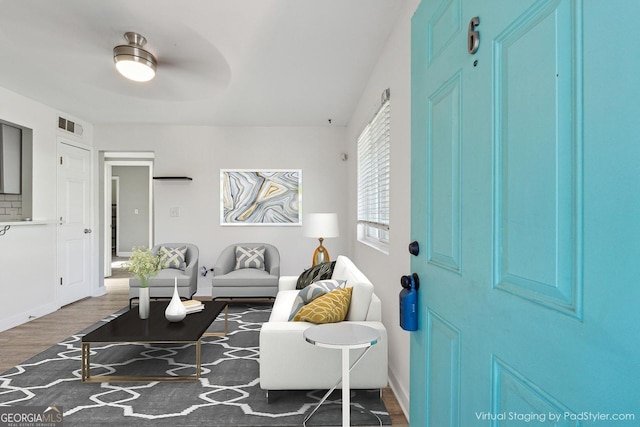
[143, 303]
[175, 311]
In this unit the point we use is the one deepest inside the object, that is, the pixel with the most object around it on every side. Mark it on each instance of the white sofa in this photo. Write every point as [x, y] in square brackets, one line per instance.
[288, 362]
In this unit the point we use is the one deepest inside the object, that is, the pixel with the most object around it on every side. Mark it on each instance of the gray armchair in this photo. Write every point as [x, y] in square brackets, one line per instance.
[161, 285]
[229, 282]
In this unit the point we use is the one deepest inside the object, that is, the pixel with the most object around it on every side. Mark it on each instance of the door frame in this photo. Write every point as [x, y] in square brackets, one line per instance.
[115, 180]
[108, 175]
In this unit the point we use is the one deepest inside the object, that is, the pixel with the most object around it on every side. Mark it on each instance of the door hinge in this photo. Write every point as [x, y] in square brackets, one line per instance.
[60, 159]
[61, 281]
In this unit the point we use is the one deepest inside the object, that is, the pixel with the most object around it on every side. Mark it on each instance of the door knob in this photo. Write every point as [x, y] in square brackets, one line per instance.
[409, 282]
[414, 248]
[87, 230]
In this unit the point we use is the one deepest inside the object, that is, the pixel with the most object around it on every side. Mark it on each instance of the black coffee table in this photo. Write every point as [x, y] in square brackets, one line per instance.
[129, 328]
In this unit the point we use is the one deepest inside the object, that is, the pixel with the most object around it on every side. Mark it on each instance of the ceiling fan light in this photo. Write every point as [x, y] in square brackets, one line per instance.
[132, 61]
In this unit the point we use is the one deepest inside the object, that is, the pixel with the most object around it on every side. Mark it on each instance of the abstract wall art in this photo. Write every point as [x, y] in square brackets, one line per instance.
[260, 197]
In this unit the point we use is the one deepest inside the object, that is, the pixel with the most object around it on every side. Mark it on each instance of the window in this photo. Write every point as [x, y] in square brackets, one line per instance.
[373, 179]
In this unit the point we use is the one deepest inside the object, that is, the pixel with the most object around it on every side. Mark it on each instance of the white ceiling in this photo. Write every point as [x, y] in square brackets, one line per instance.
[220, 62]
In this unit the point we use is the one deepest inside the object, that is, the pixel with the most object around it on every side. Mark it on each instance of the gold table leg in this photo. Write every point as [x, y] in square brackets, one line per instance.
[198, 358]
[226, 325]
[86, 364]
[87, 378]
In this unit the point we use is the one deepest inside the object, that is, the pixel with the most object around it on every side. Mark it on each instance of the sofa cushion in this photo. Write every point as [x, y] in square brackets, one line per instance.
[328, 308]
[249, 257]
[346, 270]
[321, 271]
[173, 257]
[313, 291]
[246, 277]
[165, 278]
[360, 301]
[282, 306]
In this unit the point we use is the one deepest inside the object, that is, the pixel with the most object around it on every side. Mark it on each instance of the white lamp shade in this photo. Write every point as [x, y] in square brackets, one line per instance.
[321, 225]
[134, 69]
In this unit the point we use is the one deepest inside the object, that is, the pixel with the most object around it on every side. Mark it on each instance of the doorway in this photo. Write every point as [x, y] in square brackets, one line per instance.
[128, 212]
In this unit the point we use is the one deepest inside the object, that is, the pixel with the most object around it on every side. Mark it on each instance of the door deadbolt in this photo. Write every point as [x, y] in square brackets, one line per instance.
[414, 248]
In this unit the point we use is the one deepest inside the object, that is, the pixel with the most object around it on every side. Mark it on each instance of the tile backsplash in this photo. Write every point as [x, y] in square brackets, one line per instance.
[10, 207]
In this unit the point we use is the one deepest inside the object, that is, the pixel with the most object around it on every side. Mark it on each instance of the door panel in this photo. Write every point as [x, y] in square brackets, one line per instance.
[443, 355]
[538, 158]
[522, 400]
[524, 309]
[443, 145]
[74, 231]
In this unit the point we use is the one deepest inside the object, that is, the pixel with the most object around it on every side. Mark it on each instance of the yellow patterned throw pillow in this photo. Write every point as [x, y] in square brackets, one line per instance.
[328, 308]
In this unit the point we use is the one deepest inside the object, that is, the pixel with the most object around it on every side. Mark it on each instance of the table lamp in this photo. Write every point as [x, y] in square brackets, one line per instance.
[321, 226]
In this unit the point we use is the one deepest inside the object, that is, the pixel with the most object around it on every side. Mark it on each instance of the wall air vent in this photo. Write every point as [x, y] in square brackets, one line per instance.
[69, 126]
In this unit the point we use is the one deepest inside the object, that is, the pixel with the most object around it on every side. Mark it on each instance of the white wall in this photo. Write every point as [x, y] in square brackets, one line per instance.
[201, 151]
[28, 269]
[393, 71]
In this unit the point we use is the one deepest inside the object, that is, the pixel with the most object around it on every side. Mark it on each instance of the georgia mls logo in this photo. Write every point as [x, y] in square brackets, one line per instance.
[31, 416]
[54, 412]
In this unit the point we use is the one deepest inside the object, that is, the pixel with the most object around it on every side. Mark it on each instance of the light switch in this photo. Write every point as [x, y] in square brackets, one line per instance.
[135, 211]
[175, 212]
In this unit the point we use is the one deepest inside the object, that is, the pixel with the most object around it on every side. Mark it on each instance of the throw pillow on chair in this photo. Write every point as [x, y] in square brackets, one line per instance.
[250, 257]
[173, 257]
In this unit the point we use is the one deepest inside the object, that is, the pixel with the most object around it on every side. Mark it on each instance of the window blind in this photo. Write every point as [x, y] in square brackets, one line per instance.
[373, 175]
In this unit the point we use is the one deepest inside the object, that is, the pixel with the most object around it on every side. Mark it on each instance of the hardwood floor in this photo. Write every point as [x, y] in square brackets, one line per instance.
[20, 343]
[24, 341]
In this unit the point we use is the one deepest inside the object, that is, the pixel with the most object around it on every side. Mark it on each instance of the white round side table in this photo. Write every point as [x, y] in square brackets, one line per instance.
[344, 336]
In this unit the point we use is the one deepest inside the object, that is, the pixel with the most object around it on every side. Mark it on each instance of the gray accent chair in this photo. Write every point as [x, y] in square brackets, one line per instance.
[246, 282]
[161, 285]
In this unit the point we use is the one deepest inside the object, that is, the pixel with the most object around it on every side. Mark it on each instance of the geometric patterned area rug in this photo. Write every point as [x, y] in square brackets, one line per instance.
[228, 392]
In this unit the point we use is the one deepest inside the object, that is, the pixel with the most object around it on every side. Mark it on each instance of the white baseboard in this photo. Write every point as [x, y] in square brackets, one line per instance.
[98, 292]
[402, 394]
[27, 316]
[203, 291]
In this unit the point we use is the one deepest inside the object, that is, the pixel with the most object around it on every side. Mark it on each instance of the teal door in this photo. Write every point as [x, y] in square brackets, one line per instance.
[526, 206]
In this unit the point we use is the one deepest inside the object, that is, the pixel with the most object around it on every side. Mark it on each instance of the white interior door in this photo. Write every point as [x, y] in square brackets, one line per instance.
[74, 230]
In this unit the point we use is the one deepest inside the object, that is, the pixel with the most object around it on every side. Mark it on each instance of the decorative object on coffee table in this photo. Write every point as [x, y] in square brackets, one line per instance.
[321, 226]
[143, 302]
[175, 311]
[144, 264]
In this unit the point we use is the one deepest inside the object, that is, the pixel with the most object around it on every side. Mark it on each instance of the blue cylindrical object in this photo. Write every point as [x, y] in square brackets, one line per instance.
[409, 309]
